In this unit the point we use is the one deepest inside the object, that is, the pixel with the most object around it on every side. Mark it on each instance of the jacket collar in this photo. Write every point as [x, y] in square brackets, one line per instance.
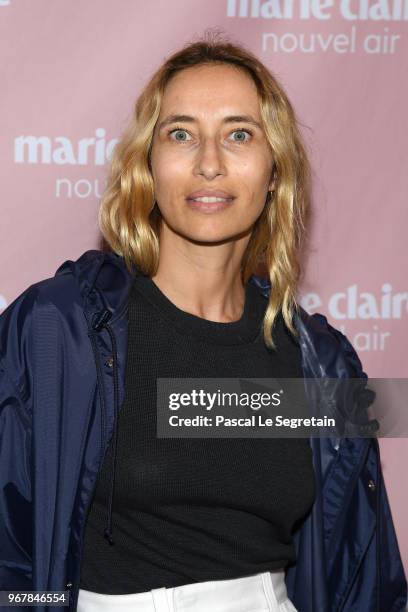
[104, 282]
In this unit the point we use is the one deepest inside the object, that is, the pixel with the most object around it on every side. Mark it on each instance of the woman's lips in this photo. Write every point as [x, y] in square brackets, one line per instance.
[209, 207]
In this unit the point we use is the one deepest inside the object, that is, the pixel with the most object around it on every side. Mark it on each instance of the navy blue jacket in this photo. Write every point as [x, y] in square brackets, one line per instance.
[63, 345]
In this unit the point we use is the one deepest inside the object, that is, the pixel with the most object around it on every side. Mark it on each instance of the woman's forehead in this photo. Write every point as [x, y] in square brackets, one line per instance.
[219, 90]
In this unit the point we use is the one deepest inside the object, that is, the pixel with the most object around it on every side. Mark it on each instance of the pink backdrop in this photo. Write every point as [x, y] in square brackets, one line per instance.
[71, 71]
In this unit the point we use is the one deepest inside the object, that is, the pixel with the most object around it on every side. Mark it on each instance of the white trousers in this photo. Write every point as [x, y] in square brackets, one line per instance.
[263, 592]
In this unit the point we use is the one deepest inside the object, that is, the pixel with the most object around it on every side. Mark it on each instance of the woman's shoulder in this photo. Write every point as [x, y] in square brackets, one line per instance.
[64, 295]
[93, 269]
[61, 287]
[316, 335]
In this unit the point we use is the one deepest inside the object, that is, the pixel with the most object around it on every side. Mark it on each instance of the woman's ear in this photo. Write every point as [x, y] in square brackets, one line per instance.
[273, 180]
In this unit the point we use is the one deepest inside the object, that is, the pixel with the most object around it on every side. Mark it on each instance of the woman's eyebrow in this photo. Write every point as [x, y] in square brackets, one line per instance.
[189, 119]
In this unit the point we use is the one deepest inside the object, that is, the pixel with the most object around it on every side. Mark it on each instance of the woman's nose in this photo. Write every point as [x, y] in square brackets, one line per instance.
[210, 160]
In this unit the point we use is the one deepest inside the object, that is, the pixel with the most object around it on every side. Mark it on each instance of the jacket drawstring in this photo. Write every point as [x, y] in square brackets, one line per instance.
[102, 321]
[109, 528]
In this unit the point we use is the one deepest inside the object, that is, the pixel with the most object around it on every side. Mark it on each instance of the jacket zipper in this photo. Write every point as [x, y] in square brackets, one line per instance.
[95, 328]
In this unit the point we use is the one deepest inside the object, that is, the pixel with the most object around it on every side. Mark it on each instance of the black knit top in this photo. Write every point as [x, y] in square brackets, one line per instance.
[195, 509]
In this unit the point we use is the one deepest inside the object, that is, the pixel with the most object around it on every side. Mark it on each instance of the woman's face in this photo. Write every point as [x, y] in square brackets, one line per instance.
[216, 142]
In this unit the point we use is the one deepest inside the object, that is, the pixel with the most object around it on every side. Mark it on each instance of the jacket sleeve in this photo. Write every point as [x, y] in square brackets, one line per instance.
[15, 446]
[384, 572]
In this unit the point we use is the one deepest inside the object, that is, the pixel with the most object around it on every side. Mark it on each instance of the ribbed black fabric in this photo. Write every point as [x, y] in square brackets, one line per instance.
[188, 510]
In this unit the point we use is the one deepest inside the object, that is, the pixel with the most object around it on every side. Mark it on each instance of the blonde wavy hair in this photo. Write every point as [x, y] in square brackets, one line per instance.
[129, 217]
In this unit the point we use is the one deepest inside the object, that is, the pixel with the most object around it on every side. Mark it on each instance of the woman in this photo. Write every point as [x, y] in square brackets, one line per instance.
[210, 180]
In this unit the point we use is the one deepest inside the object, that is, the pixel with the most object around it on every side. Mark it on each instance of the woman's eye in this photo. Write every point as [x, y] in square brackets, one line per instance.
[181, 131]
[241, 139]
